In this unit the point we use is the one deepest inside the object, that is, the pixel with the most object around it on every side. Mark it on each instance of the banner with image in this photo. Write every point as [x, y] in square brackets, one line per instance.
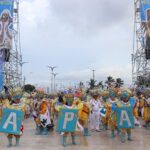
[1, 70]
[145, 10]
[6, 23]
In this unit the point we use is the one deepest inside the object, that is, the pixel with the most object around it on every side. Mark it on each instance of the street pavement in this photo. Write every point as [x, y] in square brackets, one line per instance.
[97, 141]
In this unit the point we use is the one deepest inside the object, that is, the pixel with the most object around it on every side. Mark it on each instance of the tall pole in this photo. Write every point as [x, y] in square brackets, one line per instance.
[55, 81]
[93, 74]
[22, 80]
[52, 74]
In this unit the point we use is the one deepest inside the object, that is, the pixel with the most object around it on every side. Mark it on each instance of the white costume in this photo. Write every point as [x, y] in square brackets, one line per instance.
[94, 118]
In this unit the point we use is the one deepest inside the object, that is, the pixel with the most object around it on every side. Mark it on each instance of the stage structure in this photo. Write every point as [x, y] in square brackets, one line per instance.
[141, 46]
[10, 45]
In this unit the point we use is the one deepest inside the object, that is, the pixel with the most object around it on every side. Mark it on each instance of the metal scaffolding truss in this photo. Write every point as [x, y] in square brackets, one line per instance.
[12, 69]
[140, 65]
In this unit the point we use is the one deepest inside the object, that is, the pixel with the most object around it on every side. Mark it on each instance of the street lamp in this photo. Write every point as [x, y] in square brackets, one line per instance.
[55, 74]
[93, 73]
[52, 72]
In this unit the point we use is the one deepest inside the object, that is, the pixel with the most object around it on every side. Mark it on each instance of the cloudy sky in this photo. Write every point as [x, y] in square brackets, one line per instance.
[76, 36]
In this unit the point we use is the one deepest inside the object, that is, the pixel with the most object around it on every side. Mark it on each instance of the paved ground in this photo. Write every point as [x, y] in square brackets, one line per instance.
[97, 141]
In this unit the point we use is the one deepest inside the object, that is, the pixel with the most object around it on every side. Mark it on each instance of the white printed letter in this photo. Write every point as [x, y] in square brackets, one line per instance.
[68, 117]
[12, 117]
[124, 117]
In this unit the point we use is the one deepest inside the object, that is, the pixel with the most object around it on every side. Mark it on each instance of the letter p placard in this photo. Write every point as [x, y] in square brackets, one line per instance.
[67, 120]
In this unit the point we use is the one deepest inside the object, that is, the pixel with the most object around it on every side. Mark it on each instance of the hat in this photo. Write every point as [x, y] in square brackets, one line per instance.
[125, 95]
[17, 93]
[95, 94]
[112, 93]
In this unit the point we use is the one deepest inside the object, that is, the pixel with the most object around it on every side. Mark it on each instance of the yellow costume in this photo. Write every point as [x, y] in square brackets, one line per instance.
[16, 105]
[146, 114]
[83, 115]
[111, 115]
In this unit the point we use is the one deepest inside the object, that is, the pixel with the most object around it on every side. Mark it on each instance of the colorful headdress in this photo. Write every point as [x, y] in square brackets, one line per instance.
[125, 95]
[2, 95]
[112, 93]
[17, 93]
[146, 92]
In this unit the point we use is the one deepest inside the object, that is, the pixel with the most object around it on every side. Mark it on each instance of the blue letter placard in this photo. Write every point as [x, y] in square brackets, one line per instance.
[67, 120]
[11, 121]
[125, 117]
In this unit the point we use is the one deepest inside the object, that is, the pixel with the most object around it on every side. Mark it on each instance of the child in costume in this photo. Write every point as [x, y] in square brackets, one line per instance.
[95, 114]
[105, 98]
[43, 120]
[16, 105]
[1, 104]
[110, 112]
[135, 104]
[125, 103]
[83, 113]
[146, 113]
[65, 134]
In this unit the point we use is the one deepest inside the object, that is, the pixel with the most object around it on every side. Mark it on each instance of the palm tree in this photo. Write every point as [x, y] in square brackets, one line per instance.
[92, 83]
[109, 81]
[119, 82]
[100, 84]
[81, 84]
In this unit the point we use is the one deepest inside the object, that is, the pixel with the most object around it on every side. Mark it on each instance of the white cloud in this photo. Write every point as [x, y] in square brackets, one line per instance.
[76, 35]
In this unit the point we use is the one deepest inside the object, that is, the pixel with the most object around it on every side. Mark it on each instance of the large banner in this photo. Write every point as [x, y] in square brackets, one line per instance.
[67, 120]
[125, 117]
[11, 121]
[145, 10]
[6, 23]
[1, 70]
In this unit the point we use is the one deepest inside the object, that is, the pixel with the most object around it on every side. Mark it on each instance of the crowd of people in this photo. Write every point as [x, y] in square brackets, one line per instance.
[96, 110]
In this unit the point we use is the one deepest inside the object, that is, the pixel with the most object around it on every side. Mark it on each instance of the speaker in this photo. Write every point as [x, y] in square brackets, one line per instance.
[147, 53]
[147, 48]
[6, 54]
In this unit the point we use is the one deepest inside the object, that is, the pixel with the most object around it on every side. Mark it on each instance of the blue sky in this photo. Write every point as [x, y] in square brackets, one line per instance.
[76, 35]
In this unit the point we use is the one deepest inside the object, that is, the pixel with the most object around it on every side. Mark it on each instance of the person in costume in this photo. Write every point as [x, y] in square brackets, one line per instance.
[95, 114]
[65, 134]
[1, 103]
[141, 103]
[125, 103]
[83, 113]
[105, 98]
[43, 120]
[135, 104]
[27, 101]
[16, 105]
[110, 112]
[146, 112]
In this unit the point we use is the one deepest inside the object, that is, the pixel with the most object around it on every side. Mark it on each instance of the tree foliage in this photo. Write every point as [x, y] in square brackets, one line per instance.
[29, 88]
[92, 83]
[119, 82]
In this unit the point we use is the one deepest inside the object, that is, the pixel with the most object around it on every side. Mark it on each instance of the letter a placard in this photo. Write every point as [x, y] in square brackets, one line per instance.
[11, 121]
[67, 120]
[125, 117]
